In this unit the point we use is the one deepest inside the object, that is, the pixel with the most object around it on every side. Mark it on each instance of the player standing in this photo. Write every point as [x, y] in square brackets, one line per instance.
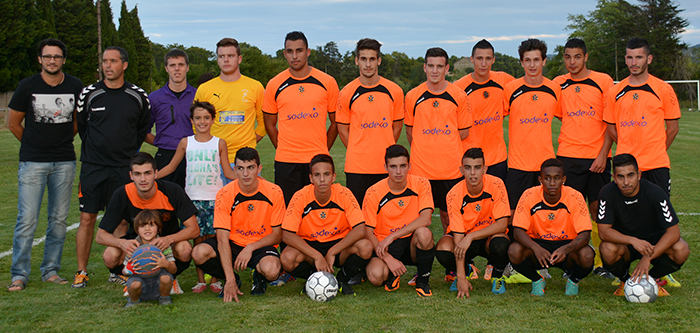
[584, 145]
[369, 116]
[299, 99]
[485, 90]
[438, 117]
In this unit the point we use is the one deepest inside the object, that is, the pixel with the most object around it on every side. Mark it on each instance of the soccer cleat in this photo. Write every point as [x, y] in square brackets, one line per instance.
[498, 285]
[663, 292]
[126, 291]
[130, 303]
[670, 281]
[616, 282]
[412, 282]
[423, 290]
[357, 279]
[571, 288]
[449, 276]
[175, 289]
[117, 278]
[284, 278]
[600, 271]
[453, 286]
[661, 283]
[259, 285]
[392, 283]
[165, 300]
[517, 278]
[474, 274]
[544, 273]
[488, 272]
[346, 289]
[199, 287]
[620, 291]
[80, 280]
[215, 287]
[538, 287]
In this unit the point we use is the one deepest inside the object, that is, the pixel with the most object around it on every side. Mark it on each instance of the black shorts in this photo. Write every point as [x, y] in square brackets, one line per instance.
[551, 246]
[163, 158]
[582, 179]
[323, 248]
[499, 170]
[358, 183]
[400, 249]
[236, 250]
[517, 182]
[440, 189]
[291, 177]
[98, 183]
[661, 177]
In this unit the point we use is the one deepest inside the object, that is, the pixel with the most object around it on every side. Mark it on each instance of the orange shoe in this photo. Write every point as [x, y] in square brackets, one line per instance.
[621, 290]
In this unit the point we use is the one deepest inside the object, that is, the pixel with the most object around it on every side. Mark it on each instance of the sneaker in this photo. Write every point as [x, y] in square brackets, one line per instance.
[346, 289]
[544, 273]
[474, 274]
[600, 271]
[126, 291]
[571, 288]
[259, 285]
[670, 281]
[517, 278]
[199, 287]
[488, 272]
[412, 282]
[392, 283]
[508, 271]
[453, 286]
[357, 279]
[165, 300]
[449, 276]
[130, 303]
[215, 287]
[117, 278]
[663, 292]
[284, 278]
[80, 280]
[620, 291]
[498, 285]
[207, 278]
[175, 289]
[423, 290]
[616, 282]
[538, 287]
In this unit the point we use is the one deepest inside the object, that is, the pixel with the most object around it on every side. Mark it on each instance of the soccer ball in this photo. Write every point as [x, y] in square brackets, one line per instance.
[321, 286]
[143, 257]
[644, 291]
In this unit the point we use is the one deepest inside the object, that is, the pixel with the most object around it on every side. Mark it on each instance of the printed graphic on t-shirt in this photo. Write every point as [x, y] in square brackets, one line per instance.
[53, 108]
[231, 117]
[200, 169]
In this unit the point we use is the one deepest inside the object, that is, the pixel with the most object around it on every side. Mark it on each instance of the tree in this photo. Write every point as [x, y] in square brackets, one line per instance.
[76, 25]
[18, 55]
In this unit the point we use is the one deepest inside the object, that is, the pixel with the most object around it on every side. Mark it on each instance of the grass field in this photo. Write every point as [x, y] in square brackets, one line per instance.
[58, 308]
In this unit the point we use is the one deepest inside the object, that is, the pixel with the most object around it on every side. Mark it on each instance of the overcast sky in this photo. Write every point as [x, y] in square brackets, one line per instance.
[406, 26]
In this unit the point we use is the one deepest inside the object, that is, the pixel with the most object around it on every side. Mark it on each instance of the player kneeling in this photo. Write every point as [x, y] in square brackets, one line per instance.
[247, 218]
[324, 227]
[552, 228]
[636, 221]
[479, 210]
[398, 211]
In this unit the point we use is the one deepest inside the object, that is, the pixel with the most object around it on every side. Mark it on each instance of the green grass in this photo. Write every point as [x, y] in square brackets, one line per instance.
[49, 307]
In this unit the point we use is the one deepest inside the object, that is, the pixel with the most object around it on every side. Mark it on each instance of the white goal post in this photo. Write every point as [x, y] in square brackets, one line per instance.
[697, 88]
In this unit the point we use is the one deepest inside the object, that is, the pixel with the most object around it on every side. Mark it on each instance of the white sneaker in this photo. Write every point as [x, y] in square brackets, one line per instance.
[176, 290]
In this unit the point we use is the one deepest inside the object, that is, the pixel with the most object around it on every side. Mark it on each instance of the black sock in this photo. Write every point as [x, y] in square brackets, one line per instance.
[302, 271]
[619, 268]
[424, 263]
[117, 269]
[498, 257]
[181, 267]
[577, 273]
[261, 277]
[446, 259]
[527, 268]
[663, 265]
[353, 265]
[212, 267]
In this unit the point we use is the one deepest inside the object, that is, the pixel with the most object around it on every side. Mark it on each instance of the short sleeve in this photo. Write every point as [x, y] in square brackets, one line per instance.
[292, 217]
[464, 117]
[370, 206]
[501, 205]
[353, 213]
[269, 102]
[398, 110]
[222, 208]
[609, 115]
[342, 115]
[278, 208]
[672, 110]
[454, 204]
[114, 213]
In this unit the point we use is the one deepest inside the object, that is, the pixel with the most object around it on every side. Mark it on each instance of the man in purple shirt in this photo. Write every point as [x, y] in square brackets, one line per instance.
[170, 113]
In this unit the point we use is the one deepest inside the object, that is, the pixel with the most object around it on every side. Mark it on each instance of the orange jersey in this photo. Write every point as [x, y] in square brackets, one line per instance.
[639, 114]
[436, 150]
[249, 217]
[561, 221]
[582, 126]
[530, 126]
[370, 113]
[471, 213]
[387, 212]
[302, 106]
[487, 111]
[323, 223]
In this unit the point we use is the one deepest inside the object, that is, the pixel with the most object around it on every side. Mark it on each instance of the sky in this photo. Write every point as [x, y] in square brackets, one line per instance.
[406, 26]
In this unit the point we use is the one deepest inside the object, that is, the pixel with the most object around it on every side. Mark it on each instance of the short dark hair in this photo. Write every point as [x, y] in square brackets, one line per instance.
[146, 217]
[321, 158]
[176, 53]
[122, 52]
[484, 45]
[247, 154]
[228, 42]
[437, 52]
[624, 160]
[368, 44]
[53, 42]
[396, 151]
[576, 43]
[296, 35]
[142, 158]
[552, 162]
[204, 105]
[532, 44]
[637, 42]
[474, 153]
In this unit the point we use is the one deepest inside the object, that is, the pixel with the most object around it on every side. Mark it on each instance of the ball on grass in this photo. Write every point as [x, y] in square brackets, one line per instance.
[321, 286]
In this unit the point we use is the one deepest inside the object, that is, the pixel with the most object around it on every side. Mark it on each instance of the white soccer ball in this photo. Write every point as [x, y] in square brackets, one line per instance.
[321, 286]
[644, 291]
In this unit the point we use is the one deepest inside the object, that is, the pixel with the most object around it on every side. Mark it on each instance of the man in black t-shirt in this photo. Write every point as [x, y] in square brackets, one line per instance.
[636, 221]
[46, 104]
[113, 120]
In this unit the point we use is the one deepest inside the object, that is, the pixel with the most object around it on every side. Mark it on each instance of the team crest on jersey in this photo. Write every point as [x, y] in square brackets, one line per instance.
[401, 203]
[635, 96]
[165, 217]
[577, 89]
[551, 216]
[370, 98]
[322, 215]
[534, 97]
[477, 207]
[301, 89]
[251, 207]
[486, 94]
[436, 104]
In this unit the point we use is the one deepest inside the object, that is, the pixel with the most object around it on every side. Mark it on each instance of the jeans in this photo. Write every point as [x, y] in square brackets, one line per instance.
[34, 177]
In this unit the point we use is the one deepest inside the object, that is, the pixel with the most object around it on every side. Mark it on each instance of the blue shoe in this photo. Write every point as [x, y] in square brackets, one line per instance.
[538, 287]
[571, 288]
[453, 287]
[498, 285]
[284, 278]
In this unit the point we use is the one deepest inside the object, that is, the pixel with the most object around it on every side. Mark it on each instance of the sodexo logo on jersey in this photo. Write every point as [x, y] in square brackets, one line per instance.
[534, 120]
[582, 113]
[374, 124]
[633, 123]
[303, 115]
[488, 120]
[437, 131]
